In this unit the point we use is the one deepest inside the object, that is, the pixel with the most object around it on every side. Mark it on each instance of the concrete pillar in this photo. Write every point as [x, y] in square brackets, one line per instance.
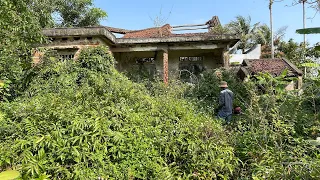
[225, 58]
[299, 83]
[165, 60]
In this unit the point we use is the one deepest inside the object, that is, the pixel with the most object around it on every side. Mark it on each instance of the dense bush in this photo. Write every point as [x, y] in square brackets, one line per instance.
[84, 120]
[206, 92]
[271, 137]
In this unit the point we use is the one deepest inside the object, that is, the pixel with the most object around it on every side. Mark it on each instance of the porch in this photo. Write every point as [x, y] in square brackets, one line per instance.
[172, 59]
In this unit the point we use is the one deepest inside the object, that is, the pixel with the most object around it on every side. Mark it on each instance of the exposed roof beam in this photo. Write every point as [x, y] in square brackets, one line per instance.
[118, 30]
[188, 25]
[189, 29]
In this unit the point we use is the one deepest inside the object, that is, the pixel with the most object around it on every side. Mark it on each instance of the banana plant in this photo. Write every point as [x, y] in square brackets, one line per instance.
[315, 30]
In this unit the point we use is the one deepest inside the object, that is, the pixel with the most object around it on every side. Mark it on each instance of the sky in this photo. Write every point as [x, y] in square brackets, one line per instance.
[139, 14]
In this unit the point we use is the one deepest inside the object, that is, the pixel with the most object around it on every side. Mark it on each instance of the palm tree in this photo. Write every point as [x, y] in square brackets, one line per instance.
[243, 27]
[263, 36]
[263, 33]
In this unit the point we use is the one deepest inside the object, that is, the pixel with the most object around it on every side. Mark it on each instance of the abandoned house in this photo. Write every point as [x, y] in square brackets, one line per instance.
[274, 67]
[158, 50]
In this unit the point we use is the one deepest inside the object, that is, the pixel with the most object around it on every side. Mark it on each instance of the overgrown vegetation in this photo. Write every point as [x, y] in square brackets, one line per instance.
[84, 120]
[271, 138]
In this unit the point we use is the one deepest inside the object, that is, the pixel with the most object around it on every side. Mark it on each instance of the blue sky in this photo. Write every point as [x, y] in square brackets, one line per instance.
[137, 14]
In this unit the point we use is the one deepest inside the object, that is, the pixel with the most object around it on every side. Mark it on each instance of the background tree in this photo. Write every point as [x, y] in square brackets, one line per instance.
[245, 29]
[66, 13]
[262, 36]
[21, 24]
[20, 29]
[78, 13]
[44, 9]
[295, 51]
[220, 30]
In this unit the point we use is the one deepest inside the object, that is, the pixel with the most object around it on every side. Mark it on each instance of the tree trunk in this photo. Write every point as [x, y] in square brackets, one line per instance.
[304, 35]
[304, 19]
[271, 28]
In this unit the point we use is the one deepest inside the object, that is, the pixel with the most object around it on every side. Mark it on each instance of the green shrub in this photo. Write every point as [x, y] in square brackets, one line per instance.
[206, 92]
[81, 120]
[270, 139]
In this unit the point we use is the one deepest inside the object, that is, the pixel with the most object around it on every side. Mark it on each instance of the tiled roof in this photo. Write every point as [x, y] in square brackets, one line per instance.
[273, 66]
[164, 31]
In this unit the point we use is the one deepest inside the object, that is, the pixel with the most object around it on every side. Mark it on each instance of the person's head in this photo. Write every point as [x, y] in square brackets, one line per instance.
[223, 85]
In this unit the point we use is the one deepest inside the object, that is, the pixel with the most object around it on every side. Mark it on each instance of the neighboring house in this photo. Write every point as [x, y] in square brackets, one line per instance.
[253, 53]
[159, 50]
[275, 67]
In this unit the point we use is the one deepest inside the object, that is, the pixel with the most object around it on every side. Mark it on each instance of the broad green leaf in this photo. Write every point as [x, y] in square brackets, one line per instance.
[317, 48]
[9, 175]
[310, 65]
[314, 142]
[309, 31]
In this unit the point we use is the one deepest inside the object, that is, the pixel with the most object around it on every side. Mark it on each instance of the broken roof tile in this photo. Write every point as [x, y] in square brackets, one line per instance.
[273, 66]
[164, 31]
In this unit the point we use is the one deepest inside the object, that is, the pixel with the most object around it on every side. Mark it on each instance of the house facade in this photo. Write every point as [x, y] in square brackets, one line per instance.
[158, 50]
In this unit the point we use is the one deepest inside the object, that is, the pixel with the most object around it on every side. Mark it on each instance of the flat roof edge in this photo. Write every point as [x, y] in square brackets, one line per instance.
[177, 39]
[102, 31]
[87, 31]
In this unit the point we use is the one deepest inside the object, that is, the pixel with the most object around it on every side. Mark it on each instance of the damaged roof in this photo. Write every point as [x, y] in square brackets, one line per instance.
[164, 31]
[151, 35]
[118, 30]
[161, 32]
[272, 66]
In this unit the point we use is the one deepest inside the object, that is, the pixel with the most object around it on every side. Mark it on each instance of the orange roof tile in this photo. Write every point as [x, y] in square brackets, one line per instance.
[164, 31]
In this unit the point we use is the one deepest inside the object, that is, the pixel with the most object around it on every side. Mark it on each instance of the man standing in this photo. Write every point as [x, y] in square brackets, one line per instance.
[225, 102]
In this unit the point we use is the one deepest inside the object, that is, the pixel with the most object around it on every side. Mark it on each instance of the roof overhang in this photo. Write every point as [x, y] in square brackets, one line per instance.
[229, 39]
[84, 31]
[104, 33]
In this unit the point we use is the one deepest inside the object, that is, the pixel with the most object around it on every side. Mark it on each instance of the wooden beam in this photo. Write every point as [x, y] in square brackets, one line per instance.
[189, 29]
[189, 25]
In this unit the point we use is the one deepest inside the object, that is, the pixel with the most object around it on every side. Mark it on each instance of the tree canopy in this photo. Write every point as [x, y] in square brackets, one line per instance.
[67, 13]
[20, 30]
[78, 13]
